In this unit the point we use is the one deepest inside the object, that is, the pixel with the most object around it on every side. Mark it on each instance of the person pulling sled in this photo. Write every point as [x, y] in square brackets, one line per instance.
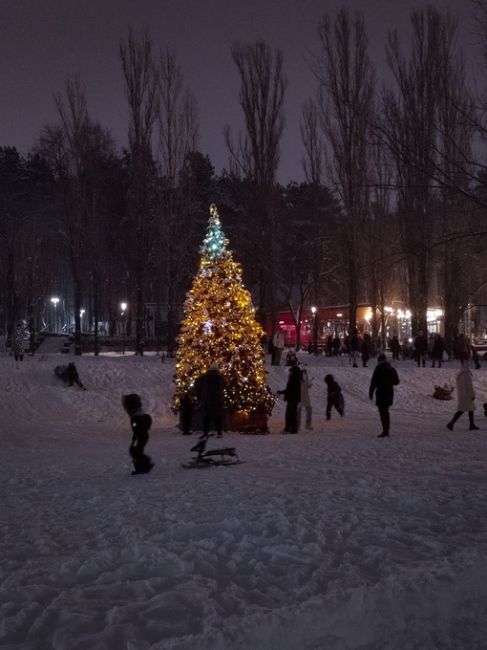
[141, 423]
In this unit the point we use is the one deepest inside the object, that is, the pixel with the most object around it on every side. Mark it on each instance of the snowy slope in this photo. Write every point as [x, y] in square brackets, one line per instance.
[331, 539]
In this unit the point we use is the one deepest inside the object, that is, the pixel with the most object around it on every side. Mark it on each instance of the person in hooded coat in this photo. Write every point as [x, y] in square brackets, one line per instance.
[382, 383]
[292, 397]
[209, 389]
[466, 399]
[334, 396]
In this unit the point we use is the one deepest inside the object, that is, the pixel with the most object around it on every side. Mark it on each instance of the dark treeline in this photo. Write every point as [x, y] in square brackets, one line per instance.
[393, 206]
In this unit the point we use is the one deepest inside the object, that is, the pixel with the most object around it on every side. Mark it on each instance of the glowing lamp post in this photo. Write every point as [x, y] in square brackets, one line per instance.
[315, 330]
[55, 301]
[81, 313]
[123, 307]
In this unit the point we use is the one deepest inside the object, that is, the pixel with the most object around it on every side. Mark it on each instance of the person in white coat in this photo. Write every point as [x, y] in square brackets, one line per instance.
[466, 399]
[306, 384]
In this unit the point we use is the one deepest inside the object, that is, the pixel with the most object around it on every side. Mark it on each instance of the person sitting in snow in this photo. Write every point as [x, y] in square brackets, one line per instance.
[69, 375]
[141, 423]
[334, 397]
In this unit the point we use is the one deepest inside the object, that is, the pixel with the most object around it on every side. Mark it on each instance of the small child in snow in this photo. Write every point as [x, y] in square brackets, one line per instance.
[140, 423]
[334, 398]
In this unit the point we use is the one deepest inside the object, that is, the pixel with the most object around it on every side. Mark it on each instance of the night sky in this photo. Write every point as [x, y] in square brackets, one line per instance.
[42, 42]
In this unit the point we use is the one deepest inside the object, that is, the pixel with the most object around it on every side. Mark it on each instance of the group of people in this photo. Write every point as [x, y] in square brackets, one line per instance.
[383, 381]
[434, 349]
[296, 395]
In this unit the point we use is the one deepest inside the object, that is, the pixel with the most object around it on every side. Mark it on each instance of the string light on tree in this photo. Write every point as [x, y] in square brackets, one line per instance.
[219, 326]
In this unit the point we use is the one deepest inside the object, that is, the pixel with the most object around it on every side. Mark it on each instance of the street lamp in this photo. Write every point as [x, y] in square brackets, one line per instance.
[55, 301]
[123, 307]
[81, 312]
[315, 330]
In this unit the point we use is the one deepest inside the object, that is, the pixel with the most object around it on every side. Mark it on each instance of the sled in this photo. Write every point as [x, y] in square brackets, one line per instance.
[213, 457]
[443, 392]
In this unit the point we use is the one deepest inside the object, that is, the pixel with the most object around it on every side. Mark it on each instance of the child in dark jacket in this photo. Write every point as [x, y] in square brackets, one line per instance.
[141, 423]
[334, 397]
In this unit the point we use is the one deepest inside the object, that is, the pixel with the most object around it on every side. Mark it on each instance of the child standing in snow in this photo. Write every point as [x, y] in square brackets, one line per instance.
[466, 398]
[141, 423]
[334, 397]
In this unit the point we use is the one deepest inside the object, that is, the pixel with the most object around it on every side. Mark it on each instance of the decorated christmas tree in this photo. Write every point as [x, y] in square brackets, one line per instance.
[219, 326]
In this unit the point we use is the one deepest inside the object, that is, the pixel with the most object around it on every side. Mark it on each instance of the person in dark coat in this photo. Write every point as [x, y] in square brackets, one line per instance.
[437, 351]
[421, 348]
[382, 383]
[366, 348]
[334, 397]
[463, 350]
[395, 348]
[209, 389]
[141, 423]
[186, 408]
[292, 397]
[354, 347]
[69, 375]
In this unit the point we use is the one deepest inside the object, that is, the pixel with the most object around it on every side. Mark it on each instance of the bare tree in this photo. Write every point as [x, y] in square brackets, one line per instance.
[178, 137]
[312, 142]
[345, 102]
[427, 148]
[142, 95]
[73, 149]
[255, 156]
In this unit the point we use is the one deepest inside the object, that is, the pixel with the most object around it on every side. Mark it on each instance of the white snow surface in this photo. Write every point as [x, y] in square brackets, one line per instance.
[330, 539]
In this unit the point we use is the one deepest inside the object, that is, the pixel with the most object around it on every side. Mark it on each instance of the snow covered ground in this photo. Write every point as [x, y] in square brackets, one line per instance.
[331, 539]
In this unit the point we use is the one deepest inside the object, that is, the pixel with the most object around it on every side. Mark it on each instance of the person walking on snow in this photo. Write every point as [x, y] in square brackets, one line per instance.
[382, 383]
[466, 399]
[334, 397]
[305, 402]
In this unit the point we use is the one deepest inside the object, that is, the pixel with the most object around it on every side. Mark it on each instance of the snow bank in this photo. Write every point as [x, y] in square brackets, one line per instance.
[329, 539]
